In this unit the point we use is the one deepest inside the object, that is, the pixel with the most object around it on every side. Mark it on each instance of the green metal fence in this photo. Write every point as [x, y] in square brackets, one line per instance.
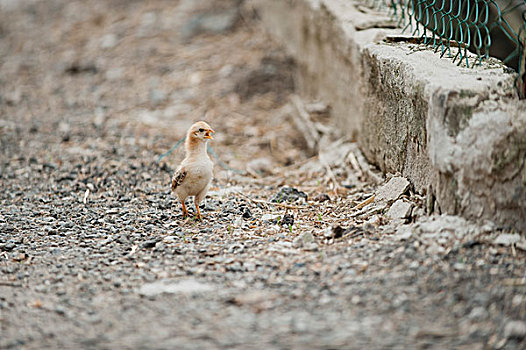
[494, 28]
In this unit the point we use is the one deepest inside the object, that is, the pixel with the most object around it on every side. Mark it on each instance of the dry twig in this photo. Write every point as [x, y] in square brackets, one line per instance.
[332, 178]
[302, 121]
[365, 202]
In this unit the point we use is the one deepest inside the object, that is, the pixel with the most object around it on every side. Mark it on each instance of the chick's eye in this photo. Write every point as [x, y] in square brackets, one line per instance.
[201, 130]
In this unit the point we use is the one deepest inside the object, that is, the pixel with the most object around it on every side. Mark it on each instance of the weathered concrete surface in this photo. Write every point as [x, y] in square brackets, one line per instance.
[458, 134]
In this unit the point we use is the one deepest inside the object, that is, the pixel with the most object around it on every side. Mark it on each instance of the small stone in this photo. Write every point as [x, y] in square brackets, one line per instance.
[515, 329]
[288, 194]
[270, 217]
[517, 300]
[303, 240]
[20, 257]
[459, 266]
[392, 190]
[297, 242]
[307, 237]
[400, 210]
[336, 231]
[60, 310]
[471, 243]
[149, 244]
[246, 213]
[374, 220]
[327, 233]
[322, 197]
[311, 247]
[445, 225]
[108, 41]
[478, 313]
[507, 239]
[288, 220]
[435, 249]
[9, 246]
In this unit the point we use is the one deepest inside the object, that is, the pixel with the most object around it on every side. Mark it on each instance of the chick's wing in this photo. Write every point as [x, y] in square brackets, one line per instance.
[178, 178]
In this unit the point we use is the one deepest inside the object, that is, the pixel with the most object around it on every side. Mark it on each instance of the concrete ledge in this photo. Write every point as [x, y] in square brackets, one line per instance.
[458, 134]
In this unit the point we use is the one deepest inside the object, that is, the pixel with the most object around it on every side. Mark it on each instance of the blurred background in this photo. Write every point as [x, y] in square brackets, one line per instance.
[126, 78]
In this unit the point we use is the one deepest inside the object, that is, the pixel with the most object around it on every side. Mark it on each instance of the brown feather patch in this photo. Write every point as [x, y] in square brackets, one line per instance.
[178, 178]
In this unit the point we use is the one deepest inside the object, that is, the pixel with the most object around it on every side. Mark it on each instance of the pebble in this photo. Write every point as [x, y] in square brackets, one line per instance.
[322, 197]
[310, 247]
[287, 220]
[435, 249]
[246, 213]
[60, 310]
[507, 239]
[515, 329]
[303, 240]
[170, 239]
[8, 246]
[149, 244]
[270, 217]
[400, 209]
[392, 190]
[336, 231]
[454, 227]
[288, 194]
[478, 313]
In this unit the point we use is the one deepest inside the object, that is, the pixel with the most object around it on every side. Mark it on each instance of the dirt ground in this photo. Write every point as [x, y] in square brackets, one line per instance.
[298, 249]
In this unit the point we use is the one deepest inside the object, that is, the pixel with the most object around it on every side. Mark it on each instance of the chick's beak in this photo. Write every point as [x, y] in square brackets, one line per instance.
[208, 136]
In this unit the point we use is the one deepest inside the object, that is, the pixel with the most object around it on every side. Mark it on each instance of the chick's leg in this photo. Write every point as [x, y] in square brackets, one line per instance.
[198, 215]
[185, 211]
[197, 200]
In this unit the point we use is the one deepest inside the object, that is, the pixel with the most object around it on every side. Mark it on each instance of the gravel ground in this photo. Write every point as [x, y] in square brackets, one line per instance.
[94, 252]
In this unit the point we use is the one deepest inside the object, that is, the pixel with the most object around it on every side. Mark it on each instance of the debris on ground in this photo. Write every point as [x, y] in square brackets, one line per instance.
[400, 210]
[392, 190]
[288, 194]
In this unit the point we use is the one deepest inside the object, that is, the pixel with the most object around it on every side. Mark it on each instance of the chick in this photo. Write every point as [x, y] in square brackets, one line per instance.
[194, 174]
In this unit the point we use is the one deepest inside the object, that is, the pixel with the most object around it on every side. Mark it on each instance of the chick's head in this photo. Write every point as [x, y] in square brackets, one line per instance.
[200, 131]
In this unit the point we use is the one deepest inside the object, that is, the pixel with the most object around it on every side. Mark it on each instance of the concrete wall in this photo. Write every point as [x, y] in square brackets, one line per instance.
[457, 133]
